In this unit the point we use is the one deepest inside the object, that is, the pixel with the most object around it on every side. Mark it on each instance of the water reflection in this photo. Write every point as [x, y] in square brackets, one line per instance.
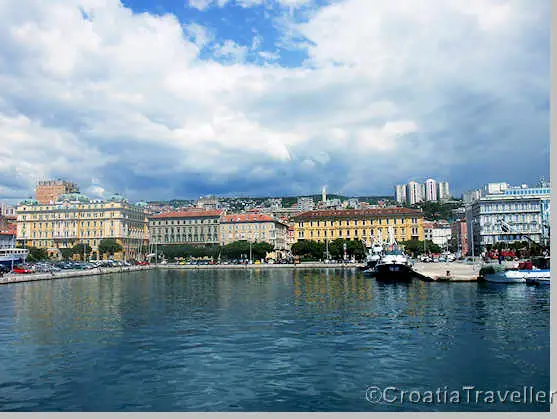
[261, 340]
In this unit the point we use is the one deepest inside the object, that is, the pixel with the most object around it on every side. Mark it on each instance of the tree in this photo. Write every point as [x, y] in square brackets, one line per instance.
[81, 249]
[309, 250]
[66, 252]
[36, 254]
[418, 247]
[109, 246]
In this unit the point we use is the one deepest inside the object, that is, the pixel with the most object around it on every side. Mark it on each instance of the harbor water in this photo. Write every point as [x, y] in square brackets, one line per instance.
[270, 340]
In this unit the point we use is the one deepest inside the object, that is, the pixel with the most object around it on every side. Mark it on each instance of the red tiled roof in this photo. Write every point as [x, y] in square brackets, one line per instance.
[246, 218]
[193, 213]
[371, 212]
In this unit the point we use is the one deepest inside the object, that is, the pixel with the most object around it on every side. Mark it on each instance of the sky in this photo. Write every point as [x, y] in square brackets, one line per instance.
[161, 99]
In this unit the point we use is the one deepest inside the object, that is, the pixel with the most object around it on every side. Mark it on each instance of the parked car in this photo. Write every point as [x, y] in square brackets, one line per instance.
[22, 270]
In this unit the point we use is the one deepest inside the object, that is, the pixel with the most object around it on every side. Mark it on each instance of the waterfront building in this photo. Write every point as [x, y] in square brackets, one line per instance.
[194, 226]
[48, 191]
[527, 210]
[400, 194]
[254, 228]
[430, 190]
[75, 219]
[321, 225]
[460, 236]
[414, 192]
[443, 194]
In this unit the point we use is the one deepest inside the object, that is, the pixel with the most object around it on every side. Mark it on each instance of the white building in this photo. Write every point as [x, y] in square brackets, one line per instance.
[438, 232]
[470, 196]
[400, 194]
[495, 188]
[527, 210]
[444, 193]
[431, 190]
[413, 192]
[305, 204]
[7, 210]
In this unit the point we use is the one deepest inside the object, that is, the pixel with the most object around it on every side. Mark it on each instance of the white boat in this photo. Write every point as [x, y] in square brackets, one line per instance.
[506, 276]
[394, 264]
[535, 272]
[13, 256]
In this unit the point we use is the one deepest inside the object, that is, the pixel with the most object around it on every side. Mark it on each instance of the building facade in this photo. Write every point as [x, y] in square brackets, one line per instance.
[444, 193]
[431, 190]
[400, 194]
[414, 192]
[74, 219]
[8, 238]
[254, 228]
[439, 233]
[6, 210]
[470, 196]
[322, 225]
[526, 210]
[47, 192]
[192, 227]
[460, 236]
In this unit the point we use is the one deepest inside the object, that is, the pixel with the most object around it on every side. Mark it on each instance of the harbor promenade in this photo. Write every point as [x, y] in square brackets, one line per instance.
[45, 276]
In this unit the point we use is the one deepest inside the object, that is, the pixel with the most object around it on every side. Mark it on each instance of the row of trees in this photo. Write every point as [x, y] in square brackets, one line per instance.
[313, 250]
[235, 250]
[83, 250]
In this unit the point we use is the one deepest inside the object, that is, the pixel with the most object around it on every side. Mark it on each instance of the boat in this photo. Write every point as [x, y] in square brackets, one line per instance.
[532, 272]
[540, 273]
[13, 256]
[374, 256]
[394, 264]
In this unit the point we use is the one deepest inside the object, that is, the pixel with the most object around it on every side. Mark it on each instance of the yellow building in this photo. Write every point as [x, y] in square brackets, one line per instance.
[363, 224]
[74, 219]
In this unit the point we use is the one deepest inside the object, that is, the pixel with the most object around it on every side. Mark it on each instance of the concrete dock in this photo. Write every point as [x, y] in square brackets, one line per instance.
[45, 276]
[447, 271]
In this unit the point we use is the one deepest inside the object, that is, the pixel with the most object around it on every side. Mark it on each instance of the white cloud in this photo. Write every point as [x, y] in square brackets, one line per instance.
[200, 4]
[200, 35]
[232, 50]
[125, 97]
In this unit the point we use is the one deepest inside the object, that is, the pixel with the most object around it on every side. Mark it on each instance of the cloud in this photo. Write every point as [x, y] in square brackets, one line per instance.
[199, 35]
[386, 91]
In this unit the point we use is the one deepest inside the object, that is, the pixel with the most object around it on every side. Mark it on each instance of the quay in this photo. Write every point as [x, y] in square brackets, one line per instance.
[447, 271]
[45, 276]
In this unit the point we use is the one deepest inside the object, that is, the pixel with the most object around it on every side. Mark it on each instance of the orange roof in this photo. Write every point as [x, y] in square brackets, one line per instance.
[371, 212]
[246, 218]
[194, 213]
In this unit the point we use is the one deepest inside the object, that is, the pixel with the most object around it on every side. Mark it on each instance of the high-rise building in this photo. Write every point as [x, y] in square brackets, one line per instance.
[444, 193]
[48, 191]
[431, 190]
[413, 192]
[400, 194]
